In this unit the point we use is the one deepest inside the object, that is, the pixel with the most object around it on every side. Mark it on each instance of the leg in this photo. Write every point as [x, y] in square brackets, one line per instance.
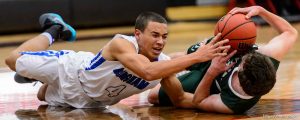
[55, 28]
[39, 43]
[153, 95]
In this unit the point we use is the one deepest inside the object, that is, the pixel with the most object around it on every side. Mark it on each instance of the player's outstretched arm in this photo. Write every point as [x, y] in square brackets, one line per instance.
[123, 51]
[280, 44]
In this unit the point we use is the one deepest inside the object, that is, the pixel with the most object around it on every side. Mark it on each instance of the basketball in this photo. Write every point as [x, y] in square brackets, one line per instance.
[240, 31]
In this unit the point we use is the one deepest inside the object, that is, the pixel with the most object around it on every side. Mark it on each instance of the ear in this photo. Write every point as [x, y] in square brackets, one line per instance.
[137, 33]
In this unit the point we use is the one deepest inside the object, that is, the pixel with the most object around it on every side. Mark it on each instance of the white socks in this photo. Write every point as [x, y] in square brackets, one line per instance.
[50, 38]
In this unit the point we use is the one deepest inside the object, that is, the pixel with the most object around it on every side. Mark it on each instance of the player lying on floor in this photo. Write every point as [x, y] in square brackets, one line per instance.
[125, 66]
[231, 85]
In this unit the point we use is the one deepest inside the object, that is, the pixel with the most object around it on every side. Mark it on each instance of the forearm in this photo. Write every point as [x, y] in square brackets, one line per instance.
[282, 42]
[203, 89]
[155, 70]
[202, 54]
[177, 95]
[275, 21]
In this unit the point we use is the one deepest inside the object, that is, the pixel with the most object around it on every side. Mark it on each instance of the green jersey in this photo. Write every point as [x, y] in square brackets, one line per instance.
[221, 85]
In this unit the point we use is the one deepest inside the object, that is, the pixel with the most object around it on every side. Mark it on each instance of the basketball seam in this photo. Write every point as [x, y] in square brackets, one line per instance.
[244, 38]
[226, 23]
[235, 28]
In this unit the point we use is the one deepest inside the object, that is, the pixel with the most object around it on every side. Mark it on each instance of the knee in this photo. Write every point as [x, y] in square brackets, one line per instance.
[10, 61]
[153, 97]
[42, 92]
[40, 97]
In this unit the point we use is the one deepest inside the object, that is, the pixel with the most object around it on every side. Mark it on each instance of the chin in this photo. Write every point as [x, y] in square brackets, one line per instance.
[154, 58]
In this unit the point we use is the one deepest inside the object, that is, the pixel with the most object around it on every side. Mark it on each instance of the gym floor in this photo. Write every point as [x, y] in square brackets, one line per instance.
[18, 101]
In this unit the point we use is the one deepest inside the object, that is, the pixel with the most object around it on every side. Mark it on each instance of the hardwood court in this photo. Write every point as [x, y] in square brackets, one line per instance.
[18, 101]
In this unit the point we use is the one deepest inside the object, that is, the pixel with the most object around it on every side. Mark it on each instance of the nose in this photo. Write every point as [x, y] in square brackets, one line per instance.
[160, 41]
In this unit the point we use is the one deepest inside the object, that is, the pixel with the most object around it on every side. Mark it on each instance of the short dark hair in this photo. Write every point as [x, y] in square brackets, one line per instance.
[143, 19]
[258, 75]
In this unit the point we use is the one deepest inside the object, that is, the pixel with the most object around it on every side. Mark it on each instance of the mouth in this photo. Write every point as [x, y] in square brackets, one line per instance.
[157, 51]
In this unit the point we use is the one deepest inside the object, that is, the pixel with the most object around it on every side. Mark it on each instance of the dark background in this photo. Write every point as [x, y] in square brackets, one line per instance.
[19, 16]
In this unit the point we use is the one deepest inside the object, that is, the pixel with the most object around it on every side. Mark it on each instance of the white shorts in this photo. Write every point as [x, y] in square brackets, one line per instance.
[60, 70]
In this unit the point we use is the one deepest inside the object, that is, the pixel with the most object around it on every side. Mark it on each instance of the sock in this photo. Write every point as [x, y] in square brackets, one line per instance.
[54, 31]
[48, 35]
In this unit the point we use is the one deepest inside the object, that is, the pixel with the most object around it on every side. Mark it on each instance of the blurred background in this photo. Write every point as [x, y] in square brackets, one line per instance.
[18, 16]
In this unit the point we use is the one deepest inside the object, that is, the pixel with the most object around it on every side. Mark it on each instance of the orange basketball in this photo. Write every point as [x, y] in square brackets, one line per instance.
[240, 31]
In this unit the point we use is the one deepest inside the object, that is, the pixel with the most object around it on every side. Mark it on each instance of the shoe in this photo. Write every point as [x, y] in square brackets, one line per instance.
[48, 19]
[20, 79]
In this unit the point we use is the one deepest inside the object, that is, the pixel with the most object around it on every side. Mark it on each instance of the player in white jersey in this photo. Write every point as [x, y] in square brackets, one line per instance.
[125, 66]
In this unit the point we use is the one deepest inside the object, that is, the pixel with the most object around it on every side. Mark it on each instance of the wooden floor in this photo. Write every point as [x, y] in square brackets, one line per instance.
[18, 101]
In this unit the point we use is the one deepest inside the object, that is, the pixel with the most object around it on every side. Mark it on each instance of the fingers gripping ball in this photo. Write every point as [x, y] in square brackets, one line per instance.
[240, 31]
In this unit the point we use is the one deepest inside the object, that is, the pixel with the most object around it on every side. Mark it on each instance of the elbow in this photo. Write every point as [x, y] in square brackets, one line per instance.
[7, 61]
[196, 101]
[10, 61]
[294, 33]
[177, 105]
[178, 102]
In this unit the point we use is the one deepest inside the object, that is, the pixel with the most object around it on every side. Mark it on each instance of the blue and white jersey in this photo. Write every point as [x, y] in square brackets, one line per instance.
[109, 81]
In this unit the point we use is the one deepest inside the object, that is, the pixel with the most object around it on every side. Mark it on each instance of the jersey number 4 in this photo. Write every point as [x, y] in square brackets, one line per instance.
[115, 90]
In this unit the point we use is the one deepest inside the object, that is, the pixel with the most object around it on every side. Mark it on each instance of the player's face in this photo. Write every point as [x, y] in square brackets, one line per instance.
[152, 41]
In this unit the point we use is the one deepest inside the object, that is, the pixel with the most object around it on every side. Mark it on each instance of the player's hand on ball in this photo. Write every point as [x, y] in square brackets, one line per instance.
[213, 49]
[249, 11]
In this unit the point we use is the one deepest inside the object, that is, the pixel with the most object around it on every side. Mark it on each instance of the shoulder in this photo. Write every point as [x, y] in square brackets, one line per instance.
[275, 60]
[236, 104]
[119, 43]
[126, 40]
[116, 47]
[127, 37]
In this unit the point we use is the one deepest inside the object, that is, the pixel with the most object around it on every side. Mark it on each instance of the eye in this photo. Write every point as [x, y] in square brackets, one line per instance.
[155, 35]
[165, 36]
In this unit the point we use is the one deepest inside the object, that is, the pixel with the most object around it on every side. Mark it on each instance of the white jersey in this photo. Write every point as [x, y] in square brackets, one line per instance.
[109, 81]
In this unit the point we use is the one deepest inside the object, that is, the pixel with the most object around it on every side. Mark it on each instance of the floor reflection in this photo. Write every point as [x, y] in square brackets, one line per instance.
[265, 107]
[118, 111]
